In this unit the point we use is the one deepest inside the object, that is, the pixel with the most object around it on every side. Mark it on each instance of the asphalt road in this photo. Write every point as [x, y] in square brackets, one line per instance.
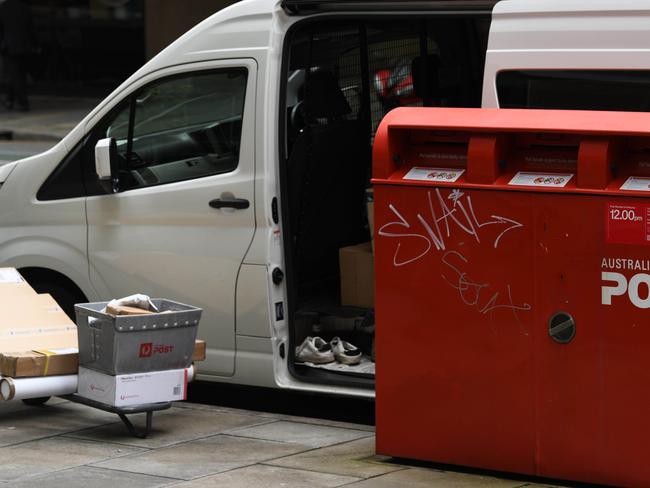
[13, 150]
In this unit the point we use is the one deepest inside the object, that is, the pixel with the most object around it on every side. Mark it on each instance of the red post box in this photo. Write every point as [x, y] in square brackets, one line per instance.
[512, 290]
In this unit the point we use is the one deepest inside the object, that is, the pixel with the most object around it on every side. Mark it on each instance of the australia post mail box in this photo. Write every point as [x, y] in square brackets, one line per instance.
[512, 291]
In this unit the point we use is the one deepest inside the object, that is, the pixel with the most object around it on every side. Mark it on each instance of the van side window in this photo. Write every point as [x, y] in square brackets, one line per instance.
[620, 90]
[66, 180]
[75, 177]
[382, 64]
[181, 128]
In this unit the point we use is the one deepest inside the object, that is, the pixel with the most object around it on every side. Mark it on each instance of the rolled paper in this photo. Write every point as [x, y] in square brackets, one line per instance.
[47, 386]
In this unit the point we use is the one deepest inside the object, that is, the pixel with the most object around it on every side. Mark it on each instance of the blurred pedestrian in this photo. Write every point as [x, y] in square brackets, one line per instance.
[15, 46]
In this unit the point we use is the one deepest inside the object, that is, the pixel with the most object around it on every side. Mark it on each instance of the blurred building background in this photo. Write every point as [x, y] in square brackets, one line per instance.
[88, 47]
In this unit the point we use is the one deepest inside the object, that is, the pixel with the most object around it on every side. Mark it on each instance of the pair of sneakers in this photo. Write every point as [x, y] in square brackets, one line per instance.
[317, 351]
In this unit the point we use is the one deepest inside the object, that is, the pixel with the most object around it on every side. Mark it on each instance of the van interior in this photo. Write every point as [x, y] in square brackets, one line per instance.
[340, 78]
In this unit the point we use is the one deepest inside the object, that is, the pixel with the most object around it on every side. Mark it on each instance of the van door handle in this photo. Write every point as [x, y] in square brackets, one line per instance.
[238, 203]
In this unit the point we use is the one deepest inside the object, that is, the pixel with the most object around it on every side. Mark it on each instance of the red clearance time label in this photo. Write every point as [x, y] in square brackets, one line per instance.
[628, 223]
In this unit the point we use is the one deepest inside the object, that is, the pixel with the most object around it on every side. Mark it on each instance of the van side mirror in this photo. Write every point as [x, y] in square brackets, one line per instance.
[106, 164]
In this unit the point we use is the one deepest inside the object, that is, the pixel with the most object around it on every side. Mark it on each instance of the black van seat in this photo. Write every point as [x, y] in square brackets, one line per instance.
[327, 169]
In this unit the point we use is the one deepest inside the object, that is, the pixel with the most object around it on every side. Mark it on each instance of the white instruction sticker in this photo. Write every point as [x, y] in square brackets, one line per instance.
[540, 179]
[447, 175]
[66, 350]
[637, 183]
[10, 275]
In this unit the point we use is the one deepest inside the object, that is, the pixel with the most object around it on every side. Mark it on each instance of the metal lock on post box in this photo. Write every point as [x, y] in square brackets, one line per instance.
[512, 290]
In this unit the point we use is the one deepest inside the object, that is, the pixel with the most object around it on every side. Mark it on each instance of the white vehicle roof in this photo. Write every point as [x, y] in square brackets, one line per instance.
[570, 24]
[243, 25]
[570, 6]
[566, 35]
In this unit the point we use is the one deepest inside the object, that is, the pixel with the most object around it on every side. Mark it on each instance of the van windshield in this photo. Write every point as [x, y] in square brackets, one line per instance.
[618, 90]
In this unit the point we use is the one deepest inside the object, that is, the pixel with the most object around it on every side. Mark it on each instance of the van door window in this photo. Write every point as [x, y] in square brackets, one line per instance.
[620, 90]
[185, 127]
[180, 128]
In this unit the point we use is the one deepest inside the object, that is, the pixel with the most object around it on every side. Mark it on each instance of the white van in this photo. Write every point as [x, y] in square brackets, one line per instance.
[235, 163]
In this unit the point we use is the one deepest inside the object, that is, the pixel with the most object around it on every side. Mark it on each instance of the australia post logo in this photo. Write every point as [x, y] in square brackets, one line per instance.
[148, 349]
[626, 279]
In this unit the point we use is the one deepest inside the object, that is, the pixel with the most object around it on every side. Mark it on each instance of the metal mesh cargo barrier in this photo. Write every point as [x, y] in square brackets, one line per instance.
[137, 343]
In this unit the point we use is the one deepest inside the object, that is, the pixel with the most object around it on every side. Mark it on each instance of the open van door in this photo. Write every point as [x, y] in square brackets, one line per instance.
[183, 217]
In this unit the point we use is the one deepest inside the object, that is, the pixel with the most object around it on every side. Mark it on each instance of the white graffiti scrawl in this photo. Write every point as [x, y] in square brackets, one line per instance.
[456, 213]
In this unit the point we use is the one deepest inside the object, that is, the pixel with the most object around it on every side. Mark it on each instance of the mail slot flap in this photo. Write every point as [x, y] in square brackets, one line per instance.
[492, 146]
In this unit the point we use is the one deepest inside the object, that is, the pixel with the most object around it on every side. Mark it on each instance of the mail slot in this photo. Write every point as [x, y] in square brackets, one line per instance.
[512, 290]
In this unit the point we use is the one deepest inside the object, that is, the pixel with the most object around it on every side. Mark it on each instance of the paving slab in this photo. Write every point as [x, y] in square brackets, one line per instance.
[278, 416]
[306, 434]
[50, 118]
[259, 476]
[54, 454]
[16, 406]
[428, 478]
[14, 150]
[354, 458]
[22, 425]
[536, 485]
[86, 477]
[70, 445]
[172, 427]
[328, 422]
[203, 457]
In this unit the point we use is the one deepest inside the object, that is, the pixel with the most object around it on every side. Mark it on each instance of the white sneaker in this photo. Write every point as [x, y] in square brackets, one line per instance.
[344, 352]
[314, 350]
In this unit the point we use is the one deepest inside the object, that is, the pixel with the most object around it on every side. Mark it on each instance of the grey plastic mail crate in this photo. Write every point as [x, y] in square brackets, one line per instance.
[127, 344]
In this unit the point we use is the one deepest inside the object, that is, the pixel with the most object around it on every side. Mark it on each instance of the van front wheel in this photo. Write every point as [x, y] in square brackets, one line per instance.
[36, 402]
[64, 291]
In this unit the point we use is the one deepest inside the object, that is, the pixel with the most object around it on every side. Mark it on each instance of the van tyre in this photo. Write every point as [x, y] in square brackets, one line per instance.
[36, 402]
[64, 296]
[64, 291]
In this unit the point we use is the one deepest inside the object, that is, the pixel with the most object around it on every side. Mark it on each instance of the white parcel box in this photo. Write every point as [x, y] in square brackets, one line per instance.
[133, 389]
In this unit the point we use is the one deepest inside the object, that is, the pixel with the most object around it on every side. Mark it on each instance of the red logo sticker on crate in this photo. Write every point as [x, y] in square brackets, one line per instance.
[628, 223]
[146, 350]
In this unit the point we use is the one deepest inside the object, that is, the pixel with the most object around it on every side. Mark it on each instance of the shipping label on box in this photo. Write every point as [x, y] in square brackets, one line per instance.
[10, 276]
[133, 389]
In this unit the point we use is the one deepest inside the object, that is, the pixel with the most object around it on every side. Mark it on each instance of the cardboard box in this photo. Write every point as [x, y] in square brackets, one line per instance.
[53, 361]
[126, 310]
[12, 286]
[357, 275]
[199, 351]
[35, 322]
[45, 362]
[133, 389]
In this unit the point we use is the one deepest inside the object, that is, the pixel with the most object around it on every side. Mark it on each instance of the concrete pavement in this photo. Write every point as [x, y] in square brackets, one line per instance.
[13, 150]
[49, 119]
[63, 444]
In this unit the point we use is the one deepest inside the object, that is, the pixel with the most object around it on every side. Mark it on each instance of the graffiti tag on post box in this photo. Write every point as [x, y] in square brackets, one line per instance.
[456, 213]
[475, 294]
